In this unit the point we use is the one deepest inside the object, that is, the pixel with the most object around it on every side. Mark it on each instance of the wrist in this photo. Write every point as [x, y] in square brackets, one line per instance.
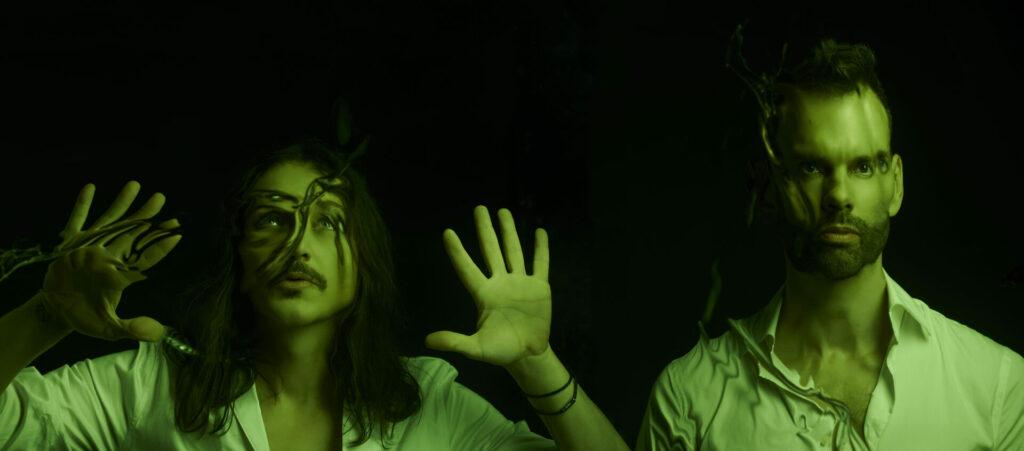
[539, 373]
[530, 363]
[43, 312]
[546, 382]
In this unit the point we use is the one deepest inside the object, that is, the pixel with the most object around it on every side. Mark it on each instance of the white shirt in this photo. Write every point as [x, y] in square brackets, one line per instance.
[943, 386]
[123, 401]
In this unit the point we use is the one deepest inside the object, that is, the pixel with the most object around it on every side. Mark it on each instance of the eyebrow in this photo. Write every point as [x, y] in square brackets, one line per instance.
[879, 154]
[323, 203]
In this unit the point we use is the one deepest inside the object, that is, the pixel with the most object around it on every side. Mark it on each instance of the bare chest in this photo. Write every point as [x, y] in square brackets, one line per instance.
[295, 431]
[852, 385]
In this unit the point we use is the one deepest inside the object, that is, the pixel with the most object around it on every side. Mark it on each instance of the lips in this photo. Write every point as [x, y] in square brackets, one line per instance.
[838, 229]
[295, 276]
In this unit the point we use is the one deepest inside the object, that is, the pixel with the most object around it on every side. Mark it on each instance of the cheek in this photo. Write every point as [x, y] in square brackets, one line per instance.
[882, 213]
[344, 255]
[249, 261]
[249, 257]
[346, 260]
[797, 201]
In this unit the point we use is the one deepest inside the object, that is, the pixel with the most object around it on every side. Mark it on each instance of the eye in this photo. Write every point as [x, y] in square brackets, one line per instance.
[334, 222]
[807, 165]
[867, 165]
[274, 217]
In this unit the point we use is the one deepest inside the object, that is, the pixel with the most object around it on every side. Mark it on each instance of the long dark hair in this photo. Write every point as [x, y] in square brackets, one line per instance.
[369, 376]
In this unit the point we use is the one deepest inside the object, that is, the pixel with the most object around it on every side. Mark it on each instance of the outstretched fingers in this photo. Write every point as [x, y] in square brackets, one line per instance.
[510, 242]
[150, 208]
[446, 340]
[541, 260]
[488, 240]
[156, 251]
[467, 271]
[120, 206]
[163, 229]
[80, 211]
[119, 241]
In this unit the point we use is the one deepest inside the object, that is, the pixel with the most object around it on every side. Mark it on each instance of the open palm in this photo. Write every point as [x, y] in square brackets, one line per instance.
[84, 285]
[514, 308]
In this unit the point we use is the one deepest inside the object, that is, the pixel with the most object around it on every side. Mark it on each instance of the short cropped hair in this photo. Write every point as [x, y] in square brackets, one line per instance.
[832, 68]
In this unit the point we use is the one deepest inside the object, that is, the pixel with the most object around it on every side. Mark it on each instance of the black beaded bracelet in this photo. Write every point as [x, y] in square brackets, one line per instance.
[575, 389]
[571, 378]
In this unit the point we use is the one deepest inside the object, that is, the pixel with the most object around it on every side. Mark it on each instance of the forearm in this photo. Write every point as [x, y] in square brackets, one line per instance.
[583, 426]
[25, 333]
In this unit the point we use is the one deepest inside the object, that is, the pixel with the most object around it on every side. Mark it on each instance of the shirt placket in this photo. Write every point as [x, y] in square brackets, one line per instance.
[816, 416]
[833, 425]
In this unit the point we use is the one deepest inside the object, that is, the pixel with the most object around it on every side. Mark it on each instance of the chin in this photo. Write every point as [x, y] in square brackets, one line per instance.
[299, 309]
[295, 317]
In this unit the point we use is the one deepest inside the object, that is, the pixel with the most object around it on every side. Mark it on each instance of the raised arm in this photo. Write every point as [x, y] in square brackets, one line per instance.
[512, 332]
[25, 333]
[82, 288]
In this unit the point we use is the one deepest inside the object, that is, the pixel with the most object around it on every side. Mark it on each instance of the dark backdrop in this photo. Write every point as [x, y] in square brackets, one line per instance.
[615, 127]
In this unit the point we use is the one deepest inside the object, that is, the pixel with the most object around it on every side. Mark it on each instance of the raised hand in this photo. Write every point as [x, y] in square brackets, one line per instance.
[83, 287]
[514, 308]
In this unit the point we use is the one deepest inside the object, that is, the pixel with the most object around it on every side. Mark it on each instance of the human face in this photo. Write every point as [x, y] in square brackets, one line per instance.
[835, 151]
[324, 253]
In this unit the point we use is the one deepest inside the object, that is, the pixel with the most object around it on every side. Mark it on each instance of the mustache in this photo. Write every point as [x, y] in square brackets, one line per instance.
[844, 221]
[303, 269]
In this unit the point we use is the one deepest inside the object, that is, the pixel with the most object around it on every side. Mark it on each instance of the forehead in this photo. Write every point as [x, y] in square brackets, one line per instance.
[834, 127]
[291, 178]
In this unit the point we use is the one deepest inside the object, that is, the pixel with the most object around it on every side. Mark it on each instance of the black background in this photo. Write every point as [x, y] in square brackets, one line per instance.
[616, 127]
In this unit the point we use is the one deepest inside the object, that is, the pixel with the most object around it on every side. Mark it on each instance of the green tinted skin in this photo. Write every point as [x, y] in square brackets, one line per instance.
[298, 325]
[832, 174]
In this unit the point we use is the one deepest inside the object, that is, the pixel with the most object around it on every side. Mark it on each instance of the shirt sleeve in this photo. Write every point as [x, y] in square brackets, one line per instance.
[89, 405]
[1008, 415]
[473, 424]
[667, 424]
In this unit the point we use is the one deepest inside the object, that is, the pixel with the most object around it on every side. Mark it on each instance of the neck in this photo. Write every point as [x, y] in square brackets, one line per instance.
[846, 318]
[295, 372]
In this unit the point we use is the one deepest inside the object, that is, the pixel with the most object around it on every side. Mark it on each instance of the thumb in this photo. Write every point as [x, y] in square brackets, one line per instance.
[143, 328]
[446, 340]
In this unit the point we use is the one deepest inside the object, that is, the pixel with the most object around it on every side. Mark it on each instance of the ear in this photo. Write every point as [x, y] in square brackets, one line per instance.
[896, 201]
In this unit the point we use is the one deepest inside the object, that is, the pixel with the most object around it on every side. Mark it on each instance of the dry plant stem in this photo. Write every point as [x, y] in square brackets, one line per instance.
[12, 259]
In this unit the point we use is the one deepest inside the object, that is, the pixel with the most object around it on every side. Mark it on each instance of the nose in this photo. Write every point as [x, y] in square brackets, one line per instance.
[836, 195]
[301, 247]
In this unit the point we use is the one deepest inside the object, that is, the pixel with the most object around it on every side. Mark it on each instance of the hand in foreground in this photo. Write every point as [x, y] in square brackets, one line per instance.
[514, 309]
[83, 287]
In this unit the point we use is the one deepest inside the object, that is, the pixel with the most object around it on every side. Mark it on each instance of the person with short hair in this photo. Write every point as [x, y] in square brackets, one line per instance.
[842, 357]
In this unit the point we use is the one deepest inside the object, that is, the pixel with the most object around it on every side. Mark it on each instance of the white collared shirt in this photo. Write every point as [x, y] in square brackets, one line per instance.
[943, 386]
[123, 401]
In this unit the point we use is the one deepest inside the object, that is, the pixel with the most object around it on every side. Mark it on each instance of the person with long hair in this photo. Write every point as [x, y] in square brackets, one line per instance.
[289, 342]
